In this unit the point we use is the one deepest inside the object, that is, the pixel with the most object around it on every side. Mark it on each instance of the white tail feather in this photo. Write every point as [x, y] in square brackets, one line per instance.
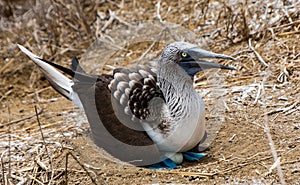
[59, 82]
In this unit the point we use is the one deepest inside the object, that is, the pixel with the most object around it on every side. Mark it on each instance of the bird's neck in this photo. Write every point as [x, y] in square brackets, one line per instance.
[179, 93]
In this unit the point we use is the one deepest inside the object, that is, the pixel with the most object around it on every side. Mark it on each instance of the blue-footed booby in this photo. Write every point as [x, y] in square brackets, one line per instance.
[144, 116]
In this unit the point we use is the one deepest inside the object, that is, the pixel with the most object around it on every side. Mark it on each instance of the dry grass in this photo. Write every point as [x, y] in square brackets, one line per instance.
[262, 35]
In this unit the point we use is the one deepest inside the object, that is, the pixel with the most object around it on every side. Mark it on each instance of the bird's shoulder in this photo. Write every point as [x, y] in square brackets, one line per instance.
[134, 88]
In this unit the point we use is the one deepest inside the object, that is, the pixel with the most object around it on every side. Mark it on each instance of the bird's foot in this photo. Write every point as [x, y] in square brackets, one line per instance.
[193, 156]
[165, 164]
[171, 160]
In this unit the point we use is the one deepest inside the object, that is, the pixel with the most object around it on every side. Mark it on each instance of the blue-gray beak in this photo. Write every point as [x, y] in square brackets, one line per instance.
[193, 61]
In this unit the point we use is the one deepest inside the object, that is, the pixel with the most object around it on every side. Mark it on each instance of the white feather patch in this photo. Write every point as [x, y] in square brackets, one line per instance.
[135, 76]
[121, 86]
[127, 91]
[121, 77]
[143, 73]
[153, 70]
[123, 99]
[127, 110]
[112, 84]
[117, 94]
[131, 83]
[147, 80]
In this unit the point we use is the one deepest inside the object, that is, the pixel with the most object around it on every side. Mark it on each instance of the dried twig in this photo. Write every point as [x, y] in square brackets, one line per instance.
[9, 142]
[209, 175]
[285, 109]
[81, 165]
[275, 164]
[7, 65]
[267, 130]
[260, 59]
[20, 179]
[45, 144]
[112, 17]
[151, 46]
[35, 180]
[121, 5]
[2, 166]
[260, 86]
[288, 33]
[287, 25]
[81, 17]
[5, 95]
[22, 119]
[158, 12]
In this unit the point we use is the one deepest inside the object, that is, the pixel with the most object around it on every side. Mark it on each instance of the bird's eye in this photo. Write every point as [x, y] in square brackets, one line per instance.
[184, 54]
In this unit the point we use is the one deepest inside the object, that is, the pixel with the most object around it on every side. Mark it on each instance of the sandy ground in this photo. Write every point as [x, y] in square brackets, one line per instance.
[258, 141]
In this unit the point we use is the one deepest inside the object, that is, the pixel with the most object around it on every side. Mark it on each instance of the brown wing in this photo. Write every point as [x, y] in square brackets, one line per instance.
[92, 93]
[108, 130]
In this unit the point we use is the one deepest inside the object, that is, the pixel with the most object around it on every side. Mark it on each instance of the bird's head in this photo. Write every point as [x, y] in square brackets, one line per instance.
[189, 58]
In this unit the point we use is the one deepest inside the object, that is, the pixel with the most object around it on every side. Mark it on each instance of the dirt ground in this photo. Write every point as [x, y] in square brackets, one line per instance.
[259, 137]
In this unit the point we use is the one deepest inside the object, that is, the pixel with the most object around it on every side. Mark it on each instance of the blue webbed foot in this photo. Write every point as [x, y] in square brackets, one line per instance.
[165, 164]
[193, 156]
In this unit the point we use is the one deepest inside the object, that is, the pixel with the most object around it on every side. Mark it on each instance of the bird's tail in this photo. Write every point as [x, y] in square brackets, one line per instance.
[58, 81]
